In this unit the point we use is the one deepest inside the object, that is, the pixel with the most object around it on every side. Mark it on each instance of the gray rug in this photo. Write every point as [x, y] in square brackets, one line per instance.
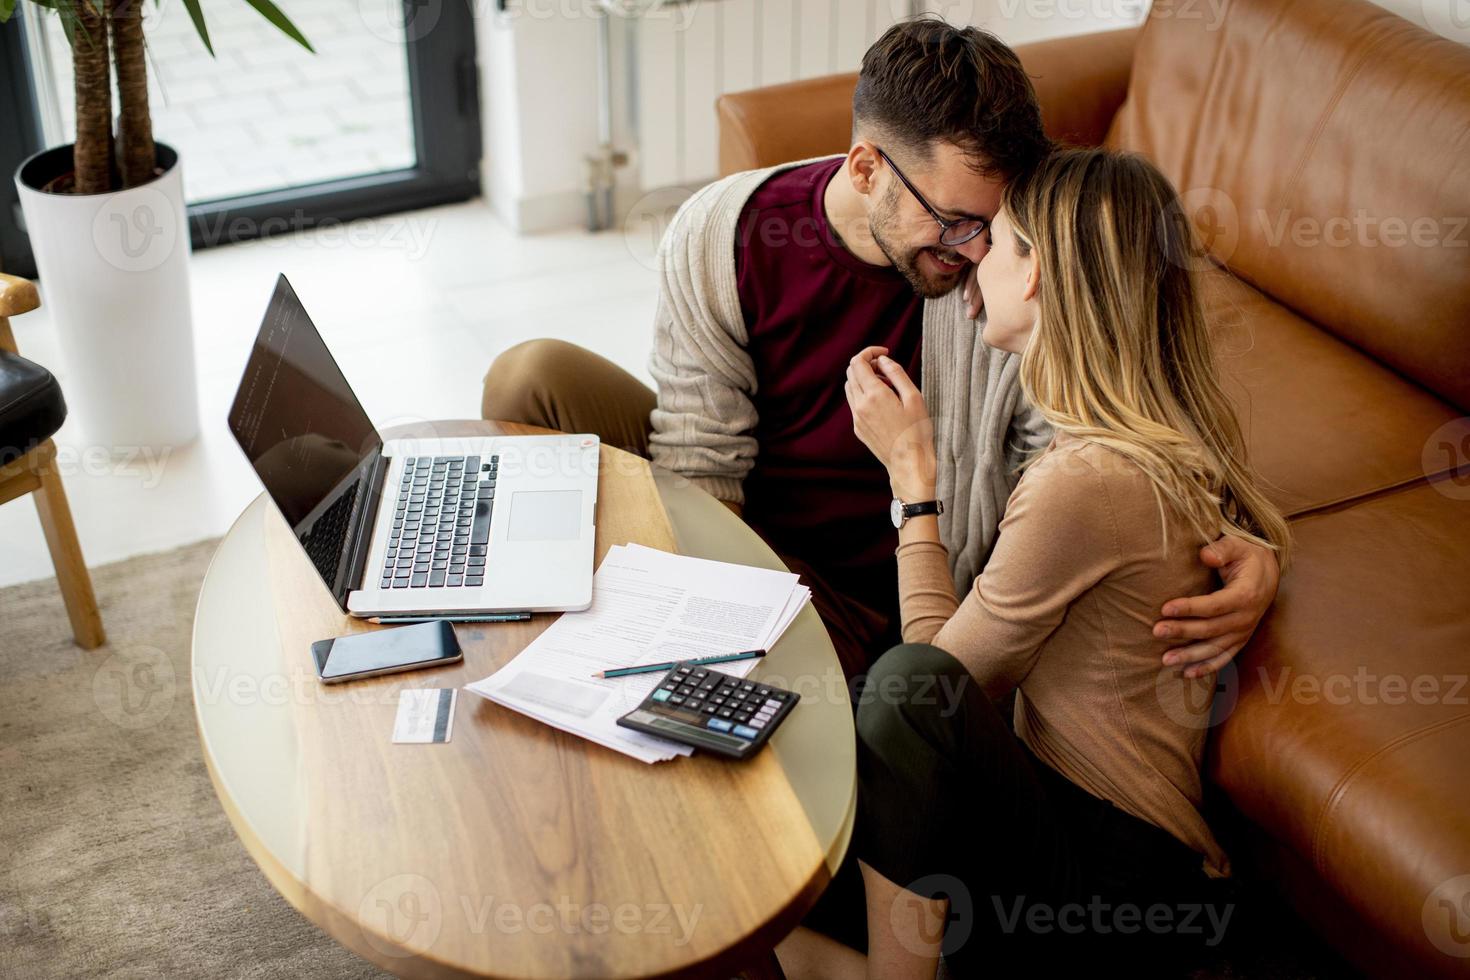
[115, 857]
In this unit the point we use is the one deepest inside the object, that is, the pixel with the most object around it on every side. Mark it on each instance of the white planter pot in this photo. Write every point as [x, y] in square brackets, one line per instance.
[114, 275]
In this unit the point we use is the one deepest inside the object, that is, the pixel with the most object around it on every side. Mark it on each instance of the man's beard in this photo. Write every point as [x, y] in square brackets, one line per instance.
[907, 262]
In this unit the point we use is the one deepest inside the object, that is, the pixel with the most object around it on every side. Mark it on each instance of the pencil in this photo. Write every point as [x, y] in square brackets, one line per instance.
[723, 658]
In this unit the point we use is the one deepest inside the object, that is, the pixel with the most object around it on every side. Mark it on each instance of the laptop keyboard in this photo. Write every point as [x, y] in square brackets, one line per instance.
[441, 523]
[323, 543]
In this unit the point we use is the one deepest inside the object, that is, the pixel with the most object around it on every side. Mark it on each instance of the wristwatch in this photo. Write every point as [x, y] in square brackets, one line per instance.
[900, 512]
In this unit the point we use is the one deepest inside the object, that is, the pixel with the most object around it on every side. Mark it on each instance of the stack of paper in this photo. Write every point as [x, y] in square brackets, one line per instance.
[647, 607]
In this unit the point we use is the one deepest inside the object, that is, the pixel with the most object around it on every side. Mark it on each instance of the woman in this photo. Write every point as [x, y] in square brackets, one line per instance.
[1083, 827]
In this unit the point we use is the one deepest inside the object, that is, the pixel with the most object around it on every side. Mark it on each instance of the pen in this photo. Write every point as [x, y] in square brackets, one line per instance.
[512, 617]
[723, 658]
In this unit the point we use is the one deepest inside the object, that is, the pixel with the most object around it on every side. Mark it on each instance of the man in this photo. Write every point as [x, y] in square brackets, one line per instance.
[772, 280]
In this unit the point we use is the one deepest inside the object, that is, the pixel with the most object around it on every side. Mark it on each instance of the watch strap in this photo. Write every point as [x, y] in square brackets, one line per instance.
[923, 507]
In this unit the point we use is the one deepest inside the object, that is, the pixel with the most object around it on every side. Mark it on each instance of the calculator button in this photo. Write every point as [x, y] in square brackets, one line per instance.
[746, 687]
[700, 674]
[717, 700]
[763, 691]
[773, 705]
[676, 699]
[718, 725]
[725, 712]
[686, 690]
[661, 695]
[745, 731]
[710, 709]
[758, 722]
[710, 683]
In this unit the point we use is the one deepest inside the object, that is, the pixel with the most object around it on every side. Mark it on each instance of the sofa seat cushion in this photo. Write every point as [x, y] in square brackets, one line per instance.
[1347, 734]
[1323, 422]
[31, 406]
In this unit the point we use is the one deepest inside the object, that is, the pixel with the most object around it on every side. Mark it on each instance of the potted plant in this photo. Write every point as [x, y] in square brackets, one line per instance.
[108, 227]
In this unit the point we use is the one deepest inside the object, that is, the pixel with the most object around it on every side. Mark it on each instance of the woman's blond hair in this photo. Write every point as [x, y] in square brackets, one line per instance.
[1121, 355]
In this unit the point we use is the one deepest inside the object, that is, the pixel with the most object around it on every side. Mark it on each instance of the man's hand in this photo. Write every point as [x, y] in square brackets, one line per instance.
[890, 418]
[970, 292]
[1220, 623]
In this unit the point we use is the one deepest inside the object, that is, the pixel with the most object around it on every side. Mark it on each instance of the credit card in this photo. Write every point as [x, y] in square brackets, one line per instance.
[425, 715]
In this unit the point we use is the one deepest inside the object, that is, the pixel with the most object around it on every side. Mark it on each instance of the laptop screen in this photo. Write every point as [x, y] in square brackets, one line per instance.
[303, 429]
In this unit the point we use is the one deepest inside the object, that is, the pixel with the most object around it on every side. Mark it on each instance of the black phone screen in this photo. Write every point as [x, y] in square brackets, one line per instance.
[399, 648]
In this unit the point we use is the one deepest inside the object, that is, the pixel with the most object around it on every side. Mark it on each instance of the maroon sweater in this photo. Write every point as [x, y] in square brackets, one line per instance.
[816, 493]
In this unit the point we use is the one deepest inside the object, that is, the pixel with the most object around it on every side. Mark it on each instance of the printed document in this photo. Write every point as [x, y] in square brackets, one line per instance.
[648, 606]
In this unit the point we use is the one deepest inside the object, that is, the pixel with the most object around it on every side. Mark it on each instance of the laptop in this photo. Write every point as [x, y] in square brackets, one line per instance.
[411, 527]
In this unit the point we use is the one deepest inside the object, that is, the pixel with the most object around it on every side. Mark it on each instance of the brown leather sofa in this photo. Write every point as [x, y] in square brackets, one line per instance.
[1323, 149]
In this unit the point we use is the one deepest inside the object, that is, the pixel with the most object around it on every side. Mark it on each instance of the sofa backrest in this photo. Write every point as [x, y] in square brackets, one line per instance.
[1323, 150]
[781, 123]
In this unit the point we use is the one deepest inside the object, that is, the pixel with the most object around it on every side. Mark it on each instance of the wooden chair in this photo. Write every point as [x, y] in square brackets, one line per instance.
[36, 472]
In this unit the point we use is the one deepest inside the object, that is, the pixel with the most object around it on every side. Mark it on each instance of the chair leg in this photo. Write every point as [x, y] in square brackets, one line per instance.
[66, 555]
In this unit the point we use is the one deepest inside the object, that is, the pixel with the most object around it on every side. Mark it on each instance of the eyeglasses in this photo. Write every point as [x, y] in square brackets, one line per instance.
[950, 232]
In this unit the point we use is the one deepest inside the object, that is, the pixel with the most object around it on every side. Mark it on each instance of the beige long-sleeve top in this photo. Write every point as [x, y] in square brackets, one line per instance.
[1064, 609]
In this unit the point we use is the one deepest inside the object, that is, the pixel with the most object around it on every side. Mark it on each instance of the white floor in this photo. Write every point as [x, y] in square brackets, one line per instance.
[414, 311]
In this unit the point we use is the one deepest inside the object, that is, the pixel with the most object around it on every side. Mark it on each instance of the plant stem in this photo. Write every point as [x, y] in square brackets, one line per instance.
[92, 153]
[135, 152]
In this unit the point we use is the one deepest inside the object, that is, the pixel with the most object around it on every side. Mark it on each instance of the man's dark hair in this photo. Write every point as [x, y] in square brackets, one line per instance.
[924, 81]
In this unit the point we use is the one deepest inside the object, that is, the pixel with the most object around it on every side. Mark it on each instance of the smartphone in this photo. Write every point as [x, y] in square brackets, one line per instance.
[386, 651]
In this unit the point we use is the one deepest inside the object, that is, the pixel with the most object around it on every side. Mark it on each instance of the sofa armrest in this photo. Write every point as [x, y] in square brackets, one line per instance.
[1081, 81]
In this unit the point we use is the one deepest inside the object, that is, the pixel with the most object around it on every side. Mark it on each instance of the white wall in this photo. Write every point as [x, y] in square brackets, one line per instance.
[1447, 18]
[538, 82]
[1023, 21]
[728, 46]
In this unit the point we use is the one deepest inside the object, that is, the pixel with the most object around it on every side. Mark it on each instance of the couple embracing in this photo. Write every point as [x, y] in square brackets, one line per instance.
[960, 380]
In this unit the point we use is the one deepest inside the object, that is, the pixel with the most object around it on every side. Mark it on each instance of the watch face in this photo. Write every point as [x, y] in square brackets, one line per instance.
[895, 512]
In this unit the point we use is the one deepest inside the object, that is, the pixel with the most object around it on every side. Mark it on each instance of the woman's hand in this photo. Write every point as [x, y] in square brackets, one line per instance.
[890, 418]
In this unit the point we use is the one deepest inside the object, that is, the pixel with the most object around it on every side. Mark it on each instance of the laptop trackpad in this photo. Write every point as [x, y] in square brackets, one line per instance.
[545, 515]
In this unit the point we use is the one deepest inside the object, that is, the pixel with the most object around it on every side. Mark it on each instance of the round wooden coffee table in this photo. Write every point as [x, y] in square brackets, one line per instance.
[514, 850]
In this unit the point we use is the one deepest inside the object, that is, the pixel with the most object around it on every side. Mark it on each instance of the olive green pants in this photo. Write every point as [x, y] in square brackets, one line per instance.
[558, 385]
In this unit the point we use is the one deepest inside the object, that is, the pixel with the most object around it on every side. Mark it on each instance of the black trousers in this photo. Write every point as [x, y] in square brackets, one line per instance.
[1040, 874]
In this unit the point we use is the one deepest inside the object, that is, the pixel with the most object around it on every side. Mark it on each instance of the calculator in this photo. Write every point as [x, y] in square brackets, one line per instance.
[710, 710]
